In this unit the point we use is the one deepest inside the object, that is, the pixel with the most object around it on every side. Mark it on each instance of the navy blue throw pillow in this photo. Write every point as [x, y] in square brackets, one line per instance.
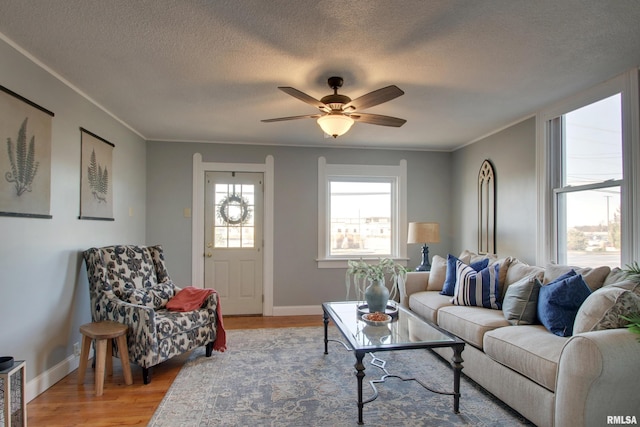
[450, 278]
[559, 301]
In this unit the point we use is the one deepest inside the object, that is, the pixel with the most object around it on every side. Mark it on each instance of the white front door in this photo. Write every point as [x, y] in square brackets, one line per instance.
[233, 240]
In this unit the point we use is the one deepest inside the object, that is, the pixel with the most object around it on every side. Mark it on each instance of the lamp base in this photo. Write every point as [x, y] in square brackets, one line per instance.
[425, 265]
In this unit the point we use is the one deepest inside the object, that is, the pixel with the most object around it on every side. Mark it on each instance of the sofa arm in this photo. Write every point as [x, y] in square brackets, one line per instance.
[416, 281]
[598, 377]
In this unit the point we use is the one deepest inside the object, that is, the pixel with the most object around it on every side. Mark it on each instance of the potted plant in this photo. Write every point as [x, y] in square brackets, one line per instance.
[368, 281]
[632, 272]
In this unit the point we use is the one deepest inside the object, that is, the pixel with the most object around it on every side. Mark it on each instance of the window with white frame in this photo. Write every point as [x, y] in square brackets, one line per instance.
[587, 201]
[586, 172]
[361, 212]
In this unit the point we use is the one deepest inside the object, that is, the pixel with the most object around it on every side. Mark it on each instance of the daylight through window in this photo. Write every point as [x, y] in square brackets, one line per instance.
[361, 212]
[361, 222]
[588, 210]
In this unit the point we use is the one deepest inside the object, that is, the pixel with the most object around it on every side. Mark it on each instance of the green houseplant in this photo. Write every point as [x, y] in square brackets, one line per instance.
[632, 272]
[368, 281]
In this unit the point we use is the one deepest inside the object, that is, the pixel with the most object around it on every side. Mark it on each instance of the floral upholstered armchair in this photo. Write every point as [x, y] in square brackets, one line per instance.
[130, 285]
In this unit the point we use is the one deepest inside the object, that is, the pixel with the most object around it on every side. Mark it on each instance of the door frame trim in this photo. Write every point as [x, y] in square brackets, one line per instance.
[197, 223]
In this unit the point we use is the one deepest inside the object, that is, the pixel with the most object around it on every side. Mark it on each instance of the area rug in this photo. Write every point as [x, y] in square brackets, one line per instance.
[281, 377]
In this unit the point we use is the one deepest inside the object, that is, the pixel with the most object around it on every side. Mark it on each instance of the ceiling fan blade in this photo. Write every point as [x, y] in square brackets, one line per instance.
[282, 119]
[374, 98]
[303, 97]
[377, 119]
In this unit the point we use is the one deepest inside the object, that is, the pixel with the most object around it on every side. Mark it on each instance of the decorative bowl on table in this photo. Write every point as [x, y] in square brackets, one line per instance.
[376, 319]
[6, 362]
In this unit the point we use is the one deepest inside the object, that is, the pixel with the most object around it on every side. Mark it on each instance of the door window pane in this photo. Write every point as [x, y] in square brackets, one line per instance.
[234, 225]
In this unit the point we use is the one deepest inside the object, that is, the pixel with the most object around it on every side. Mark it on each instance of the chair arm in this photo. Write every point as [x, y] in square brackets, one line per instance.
[211, 303]
[416, 281]
[140, 319]
[598, 376]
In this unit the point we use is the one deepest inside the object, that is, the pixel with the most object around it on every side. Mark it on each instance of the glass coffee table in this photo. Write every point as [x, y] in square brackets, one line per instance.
[405, 331]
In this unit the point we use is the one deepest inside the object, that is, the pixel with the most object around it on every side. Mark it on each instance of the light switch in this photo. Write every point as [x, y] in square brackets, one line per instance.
[130, 211]
[187, 212]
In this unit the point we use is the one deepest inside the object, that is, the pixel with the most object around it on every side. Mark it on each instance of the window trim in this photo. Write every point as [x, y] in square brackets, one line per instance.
[549, 161]
[361, 172]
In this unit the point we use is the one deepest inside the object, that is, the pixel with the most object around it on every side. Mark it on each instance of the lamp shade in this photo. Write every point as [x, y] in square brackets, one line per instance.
[423, 232]
[335, 124]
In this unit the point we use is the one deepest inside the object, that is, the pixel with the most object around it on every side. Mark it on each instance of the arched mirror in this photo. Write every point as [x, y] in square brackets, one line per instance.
[486, 209]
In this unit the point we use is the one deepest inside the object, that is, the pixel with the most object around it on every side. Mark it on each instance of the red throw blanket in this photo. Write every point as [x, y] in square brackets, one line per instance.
[191, 298]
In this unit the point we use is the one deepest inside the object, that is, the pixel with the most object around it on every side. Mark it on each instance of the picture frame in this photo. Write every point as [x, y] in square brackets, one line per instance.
[96, 177]
[25, 157]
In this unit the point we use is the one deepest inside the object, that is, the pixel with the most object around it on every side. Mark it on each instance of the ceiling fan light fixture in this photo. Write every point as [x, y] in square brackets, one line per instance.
[335, 124]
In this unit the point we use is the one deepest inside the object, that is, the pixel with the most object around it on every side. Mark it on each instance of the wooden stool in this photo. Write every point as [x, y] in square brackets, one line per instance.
[104, 333]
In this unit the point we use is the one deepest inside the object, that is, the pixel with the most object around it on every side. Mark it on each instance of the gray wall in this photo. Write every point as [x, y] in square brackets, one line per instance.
[513, 153]
[43, 291]
[43, 294]
[297, 280]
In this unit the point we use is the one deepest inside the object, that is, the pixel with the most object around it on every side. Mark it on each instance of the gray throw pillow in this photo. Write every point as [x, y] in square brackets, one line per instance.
[521, 300]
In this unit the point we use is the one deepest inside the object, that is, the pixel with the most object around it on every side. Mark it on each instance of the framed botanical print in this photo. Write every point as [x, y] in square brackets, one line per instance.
[96, 177]
[25, 157]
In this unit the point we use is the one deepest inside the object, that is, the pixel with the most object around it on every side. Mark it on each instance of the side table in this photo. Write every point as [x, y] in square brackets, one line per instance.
[103, 333]
[12, 397]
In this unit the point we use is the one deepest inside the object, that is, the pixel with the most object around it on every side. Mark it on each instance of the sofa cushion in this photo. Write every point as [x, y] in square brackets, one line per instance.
[470, 323]
[450, 273]
[616, 275]
[603, 308]
[520, 303]
[559, 301]
[475, 257]
[518, 270]
[427, 304]
[504, 264]
[450, 280]
[476, 288]
[493, 259]
[629, 285]
[529, 350]
[593, 277]
[437, 274]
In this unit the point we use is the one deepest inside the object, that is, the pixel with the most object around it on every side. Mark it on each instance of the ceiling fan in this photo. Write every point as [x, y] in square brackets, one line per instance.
[338, 112]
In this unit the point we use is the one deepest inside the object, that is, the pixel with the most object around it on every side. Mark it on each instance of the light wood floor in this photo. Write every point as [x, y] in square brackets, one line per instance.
[68, 403]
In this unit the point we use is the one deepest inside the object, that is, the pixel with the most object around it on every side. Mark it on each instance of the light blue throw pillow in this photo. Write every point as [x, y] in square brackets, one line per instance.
[559, 301]
[450, 278]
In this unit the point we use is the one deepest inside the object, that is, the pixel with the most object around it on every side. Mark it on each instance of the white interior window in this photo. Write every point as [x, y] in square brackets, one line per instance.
[588, 214]
[586, 172]
[361, 212]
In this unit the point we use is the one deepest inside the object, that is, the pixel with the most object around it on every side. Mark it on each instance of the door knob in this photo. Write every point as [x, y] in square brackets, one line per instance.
[209, 254]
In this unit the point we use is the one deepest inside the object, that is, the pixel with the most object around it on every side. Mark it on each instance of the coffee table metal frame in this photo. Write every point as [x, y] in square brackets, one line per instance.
[406, 332]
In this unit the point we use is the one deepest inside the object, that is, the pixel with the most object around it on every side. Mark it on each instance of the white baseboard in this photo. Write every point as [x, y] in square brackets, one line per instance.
[297, 310]
[51, 376]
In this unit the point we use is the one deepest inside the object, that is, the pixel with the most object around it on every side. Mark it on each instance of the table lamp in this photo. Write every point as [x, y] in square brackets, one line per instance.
[424, 232]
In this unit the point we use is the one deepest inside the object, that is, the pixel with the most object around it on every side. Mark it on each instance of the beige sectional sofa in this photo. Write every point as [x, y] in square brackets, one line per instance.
[552, 380]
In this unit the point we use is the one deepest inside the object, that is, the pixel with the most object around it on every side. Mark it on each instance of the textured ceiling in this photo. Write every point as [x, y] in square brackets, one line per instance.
[209, 70]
